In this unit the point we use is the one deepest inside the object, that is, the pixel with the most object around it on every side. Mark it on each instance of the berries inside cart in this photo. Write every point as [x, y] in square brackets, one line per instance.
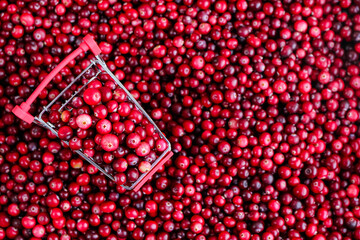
[97, 117]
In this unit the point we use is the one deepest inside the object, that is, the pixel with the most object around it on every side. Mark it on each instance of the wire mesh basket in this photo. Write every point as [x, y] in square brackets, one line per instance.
[98, 72]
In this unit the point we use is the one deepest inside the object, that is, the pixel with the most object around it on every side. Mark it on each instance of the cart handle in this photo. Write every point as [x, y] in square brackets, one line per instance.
[22, 110]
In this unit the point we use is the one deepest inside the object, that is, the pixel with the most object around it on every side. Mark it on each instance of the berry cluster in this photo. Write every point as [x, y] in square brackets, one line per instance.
[259, 100]
[105, 124]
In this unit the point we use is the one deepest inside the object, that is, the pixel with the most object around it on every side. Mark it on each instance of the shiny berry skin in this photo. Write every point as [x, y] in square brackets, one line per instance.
[103, 126]
[144, 166]
[65, 133]
[133, 140]
[83, 121]
[300, 26]
[143, 149]
[197, 62]
[28, 222]
[109, 142]
[92, 96]
[27, 19]
[38, 231]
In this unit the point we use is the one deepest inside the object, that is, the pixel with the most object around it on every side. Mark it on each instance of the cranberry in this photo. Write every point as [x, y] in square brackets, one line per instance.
[133, 140]
[109, 142]
[352, 191]
[92, 96]
[28, 222]
[38, 231]
[82, 225]
[103, 126]
[144, 166]
[197, 62]
[301, 26]
[143, 149]
[27, 19]
[65, 133]
[83, 121]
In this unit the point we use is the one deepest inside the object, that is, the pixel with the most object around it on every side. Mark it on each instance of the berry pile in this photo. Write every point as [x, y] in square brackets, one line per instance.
[100, 120]
[260, 101]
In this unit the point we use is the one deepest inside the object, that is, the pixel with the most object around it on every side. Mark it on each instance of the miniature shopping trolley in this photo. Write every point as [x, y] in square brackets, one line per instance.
[98, 67]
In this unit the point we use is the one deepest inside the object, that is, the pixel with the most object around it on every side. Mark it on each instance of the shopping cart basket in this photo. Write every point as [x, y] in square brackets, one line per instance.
[96, 69]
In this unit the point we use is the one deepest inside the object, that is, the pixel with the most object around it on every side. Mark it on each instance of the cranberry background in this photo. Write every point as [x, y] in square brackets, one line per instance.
[260, 100]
